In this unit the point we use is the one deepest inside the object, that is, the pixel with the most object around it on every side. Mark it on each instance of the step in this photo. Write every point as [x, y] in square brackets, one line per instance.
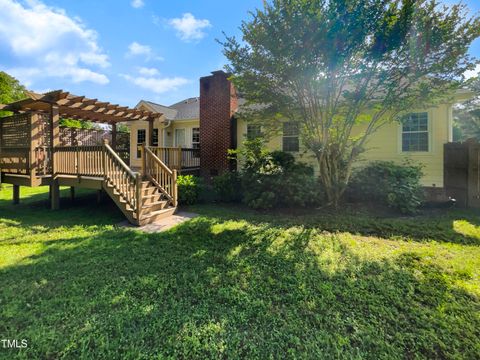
[149, 199]
[156, 215]
[158, 205]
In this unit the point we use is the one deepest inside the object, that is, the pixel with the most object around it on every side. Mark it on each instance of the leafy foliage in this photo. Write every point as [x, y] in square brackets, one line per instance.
[189, 189]
[274, 179]
[333, 65]
[77, 124]
[467, 116]
[228, 187]
[10, 90]
[390, 184]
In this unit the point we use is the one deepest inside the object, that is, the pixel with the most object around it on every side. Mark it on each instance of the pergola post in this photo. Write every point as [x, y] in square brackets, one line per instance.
[114, 136]
[33, 147]
[54, 142]
[54, 134]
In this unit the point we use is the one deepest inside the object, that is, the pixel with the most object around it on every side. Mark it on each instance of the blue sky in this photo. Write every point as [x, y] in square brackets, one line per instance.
[122, 50]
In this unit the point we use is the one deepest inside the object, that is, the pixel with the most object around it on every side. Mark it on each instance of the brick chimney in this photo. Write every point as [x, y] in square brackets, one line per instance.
[218, 102]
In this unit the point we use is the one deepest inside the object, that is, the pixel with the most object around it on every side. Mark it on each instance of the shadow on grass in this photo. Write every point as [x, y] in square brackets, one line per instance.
[442, 225]
[213, 288]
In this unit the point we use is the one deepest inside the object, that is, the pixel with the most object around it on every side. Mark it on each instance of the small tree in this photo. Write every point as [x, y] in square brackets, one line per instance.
[337, 65]
[467, 115]
[10, 90]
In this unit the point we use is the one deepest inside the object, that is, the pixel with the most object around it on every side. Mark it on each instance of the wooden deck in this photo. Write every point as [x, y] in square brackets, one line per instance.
[142, 196]
[31, 155]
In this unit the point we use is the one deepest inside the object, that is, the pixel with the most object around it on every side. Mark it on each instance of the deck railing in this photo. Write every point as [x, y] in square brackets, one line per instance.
[159, 174]
[178, 158]
[100, 161]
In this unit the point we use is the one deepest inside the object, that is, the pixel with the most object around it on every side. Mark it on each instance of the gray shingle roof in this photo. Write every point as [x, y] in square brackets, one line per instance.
[182, 110]
[169, 112]
[187, 109]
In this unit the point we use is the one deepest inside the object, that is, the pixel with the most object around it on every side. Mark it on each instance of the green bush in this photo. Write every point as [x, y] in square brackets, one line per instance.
[228, 187]
[390, 184]
[274, 179]
[189, 189]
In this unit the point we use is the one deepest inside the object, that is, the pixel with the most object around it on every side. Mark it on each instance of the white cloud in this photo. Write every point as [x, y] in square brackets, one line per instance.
[189, 28]
[148, 71]
[473, 73]
[137, 3]
[49, 43]
[150, 79]
[136, 49]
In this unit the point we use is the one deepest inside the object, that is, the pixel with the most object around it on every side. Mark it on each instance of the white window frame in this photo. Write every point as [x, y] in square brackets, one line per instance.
[291, 136]
[431, 148]
[196, 142]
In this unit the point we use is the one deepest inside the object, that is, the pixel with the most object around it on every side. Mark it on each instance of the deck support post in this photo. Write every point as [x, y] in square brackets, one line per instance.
[99, 196]
[72, 193]
[16, 194]
[55, 195]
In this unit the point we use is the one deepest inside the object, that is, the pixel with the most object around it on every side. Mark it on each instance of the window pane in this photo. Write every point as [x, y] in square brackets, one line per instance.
[415, 122]
[415, 141]
[140, 140]
[290, 143]
[253, 131]
[155, 137]
[290, 129]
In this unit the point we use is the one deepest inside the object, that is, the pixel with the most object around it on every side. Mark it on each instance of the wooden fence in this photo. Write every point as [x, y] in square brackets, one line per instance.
[462, 172]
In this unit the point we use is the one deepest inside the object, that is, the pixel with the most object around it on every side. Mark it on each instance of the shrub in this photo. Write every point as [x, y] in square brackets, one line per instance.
[228, 187]
[189, 189]
[274, 179]
[390, 184]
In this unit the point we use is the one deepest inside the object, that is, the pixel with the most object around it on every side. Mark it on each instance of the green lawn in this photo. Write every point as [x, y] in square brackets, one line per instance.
[237, 284]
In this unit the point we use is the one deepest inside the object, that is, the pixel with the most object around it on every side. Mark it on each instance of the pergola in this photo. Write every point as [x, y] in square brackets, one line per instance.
[62, 104]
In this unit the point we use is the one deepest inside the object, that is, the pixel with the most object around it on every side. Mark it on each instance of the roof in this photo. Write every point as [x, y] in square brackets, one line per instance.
[162, 109]
[187, 109]
[79, 107]
[183, 110]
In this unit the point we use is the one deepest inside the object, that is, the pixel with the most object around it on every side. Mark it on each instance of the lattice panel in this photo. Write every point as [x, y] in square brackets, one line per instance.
[15, 130]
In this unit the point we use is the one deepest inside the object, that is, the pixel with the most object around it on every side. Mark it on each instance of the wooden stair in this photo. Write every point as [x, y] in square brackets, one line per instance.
[142, 199]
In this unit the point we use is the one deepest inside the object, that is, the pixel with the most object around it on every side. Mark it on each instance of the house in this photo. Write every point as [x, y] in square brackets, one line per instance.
[208, 122]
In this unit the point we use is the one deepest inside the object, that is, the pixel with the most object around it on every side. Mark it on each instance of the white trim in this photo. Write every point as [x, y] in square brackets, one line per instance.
[430, 129]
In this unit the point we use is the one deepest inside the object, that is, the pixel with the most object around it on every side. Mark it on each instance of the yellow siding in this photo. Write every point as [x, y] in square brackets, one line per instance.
[385, 144]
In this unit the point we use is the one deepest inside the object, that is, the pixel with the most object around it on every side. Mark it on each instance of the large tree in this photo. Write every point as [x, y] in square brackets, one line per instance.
[343, 68]
[10, 90]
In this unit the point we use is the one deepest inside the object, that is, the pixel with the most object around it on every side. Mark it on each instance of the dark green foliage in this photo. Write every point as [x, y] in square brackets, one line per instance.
[189, 189]
[10, 90]
[390, 184]
[274, 179]
[228, 187]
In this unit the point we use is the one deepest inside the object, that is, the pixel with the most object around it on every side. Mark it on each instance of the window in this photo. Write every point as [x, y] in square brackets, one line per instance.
[415, 132]
[155, 137]
[180, 138]
[290, 137]
[253, 131]
[141, 136]
[196, 138]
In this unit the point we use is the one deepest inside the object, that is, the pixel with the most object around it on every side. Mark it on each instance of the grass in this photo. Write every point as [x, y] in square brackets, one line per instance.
[233, 283]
